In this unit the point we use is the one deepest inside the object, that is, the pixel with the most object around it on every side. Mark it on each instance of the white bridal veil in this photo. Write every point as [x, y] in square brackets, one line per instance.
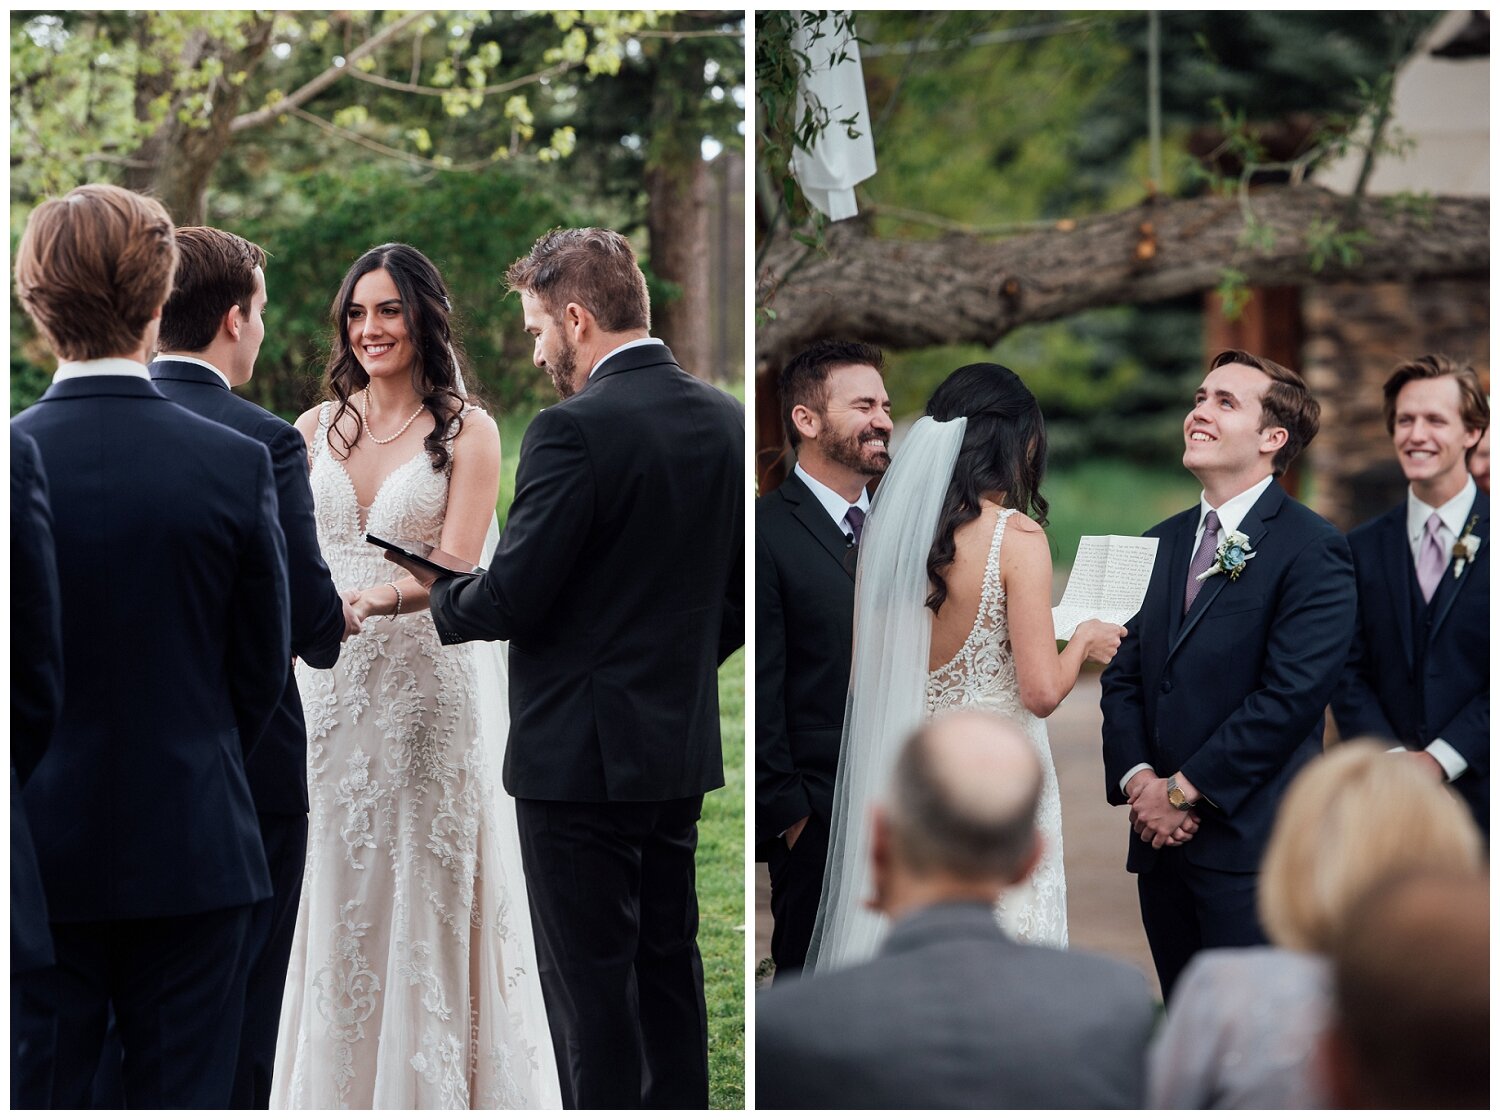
[888, 678]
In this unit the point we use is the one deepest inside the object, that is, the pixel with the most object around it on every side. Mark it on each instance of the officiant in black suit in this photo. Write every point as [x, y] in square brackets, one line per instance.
[837, 417]
[211, 331]
[172, 574]
[619, 582]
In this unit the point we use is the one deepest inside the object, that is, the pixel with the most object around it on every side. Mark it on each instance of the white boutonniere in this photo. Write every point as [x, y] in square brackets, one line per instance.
[1465, 548]
[1231, 557]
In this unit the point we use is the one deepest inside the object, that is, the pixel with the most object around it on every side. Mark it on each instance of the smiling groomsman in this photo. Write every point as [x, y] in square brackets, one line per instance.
[837, 417]
[1419, 668]
[1216, 697]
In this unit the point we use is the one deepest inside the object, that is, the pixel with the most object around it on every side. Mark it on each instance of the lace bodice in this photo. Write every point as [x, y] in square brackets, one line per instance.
[982, 674]
[410, 504]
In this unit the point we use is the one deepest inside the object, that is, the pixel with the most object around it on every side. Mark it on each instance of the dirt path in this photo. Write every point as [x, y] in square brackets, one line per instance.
[1102, 912]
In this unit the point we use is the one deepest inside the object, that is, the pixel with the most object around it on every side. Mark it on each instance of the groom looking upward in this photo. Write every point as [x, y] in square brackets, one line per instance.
[211, 331]
[619, 581]
[172, 573]
[837, 417]
[1216, 697]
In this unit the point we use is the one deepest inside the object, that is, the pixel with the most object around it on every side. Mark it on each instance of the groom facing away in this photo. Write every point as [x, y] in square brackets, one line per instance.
[211, 331]
[619, 581]
[1216, 697]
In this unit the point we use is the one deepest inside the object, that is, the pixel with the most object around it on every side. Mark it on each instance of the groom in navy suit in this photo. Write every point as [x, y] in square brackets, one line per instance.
[172, 574]
[1419, 669]
[1216, 697]
[211, 331]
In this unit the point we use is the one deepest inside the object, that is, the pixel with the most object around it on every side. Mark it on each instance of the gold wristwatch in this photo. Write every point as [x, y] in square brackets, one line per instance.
[1175, 797]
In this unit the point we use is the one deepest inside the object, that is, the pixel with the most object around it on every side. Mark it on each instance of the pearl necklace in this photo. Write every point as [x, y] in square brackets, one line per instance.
[364, 416]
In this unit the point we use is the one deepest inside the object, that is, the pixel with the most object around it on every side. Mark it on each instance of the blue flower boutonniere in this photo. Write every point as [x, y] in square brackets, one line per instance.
[1232, 556]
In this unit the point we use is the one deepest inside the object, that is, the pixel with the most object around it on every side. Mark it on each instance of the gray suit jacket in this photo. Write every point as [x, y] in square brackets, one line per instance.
[954, 1014]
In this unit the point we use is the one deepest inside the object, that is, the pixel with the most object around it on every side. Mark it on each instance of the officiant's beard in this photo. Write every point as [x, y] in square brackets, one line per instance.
[561, 368]
[851, 451]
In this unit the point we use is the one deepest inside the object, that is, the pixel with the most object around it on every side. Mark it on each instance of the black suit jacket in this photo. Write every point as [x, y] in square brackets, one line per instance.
[36, 684]
[954, 1014]
[172, 570]
[1417, 671]
[804, 618]
[619, 581]
[1232, 695]
[277, 766]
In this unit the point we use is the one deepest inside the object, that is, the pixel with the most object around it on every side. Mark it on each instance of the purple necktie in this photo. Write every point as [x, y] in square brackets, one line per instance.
[1431, 560]
[1203, 559]
[856, 519]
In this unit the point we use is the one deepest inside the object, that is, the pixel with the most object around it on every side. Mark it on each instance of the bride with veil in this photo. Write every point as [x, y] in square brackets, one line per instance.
[952, 610]
[413, 980]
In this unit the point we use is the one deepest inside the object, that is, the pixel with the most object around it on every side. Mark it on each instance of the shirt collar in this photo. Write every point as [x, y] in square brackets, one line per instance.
[1232, 512]
[1451, 512]
[625, 346]
[197, 362]
[101, 367]
[831, 500]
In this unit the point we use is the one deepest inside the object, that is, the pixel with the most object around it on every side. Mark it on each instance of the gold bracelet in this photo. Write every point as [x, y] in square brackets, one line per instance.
[397, 590]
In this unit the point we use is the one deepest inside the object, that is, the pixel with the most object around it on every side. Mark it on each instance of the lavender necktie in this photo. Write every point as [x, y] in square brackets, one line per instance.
[1431, 560]
[856, 519]
[1203, 559]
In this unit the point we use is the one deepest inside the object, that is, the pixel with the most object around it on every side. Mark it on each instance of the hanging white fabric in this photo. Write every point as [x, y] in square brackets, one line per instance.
[837, 162]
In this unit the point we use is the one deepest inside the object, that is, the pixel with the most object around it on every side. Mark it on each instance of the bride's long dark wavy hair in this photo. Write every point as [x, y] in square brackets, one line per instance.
[426, 311]
[1004, 451]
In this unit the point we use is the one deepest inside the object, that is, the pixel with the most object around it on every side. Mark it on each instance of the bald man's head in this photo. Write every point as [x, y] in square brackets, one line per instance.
[963, 798]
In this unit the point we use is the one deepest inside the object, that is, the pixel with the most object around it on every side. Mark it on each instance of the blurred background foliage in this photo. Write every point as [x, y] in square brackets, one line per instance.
[464, 133]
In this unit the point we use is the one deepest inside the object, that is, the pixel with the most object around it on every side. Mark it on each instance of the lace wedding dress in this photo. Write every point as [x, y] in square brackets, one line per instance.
[413, 980]
[891, 692]
[982, 674]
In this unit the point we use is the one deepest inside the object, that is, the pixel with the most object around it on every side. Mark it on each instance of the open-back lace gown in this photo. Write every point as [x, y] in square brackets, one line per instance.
[982, 674]
[413, 979]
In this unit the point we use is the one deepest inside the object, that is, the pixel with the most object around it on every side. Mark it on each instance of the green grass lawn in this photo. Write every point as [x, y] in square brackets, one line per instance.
[1110, 497]
[721, 899]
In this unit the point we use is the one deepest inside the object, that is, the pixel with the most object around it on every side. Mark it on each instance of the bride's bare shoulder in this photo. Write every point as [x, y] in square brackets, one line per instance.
[1022, 523]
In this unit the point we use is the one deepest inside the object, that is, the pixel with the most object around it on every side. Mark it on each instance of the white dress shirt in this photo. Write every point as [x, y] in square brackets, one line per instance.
[835, 503]
[197, 362]
[1452, 514]
[1231, 513]
[101, 367]
[624, 346]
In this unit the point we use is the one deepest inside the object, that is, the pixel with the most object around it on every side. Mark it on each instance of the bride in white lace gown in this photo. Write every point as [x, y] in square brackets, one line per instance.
[953, 610]
[413, 979]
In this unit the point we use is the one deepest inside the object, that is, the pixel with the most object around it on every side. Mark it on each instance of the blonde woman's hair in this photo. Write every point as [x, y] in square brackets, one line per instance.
[1352, 818]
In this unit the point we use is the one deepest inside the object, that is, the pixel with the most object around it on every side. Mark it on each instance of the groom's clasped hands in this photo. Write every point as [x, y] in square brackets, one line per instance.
[1152, 816]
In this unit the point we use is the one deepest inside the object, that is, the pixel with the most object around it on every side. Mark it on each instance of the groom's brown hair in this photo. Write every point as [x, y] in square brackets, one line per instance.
[215, 271]
[93, 268]
[594, 268]
[1288, 404]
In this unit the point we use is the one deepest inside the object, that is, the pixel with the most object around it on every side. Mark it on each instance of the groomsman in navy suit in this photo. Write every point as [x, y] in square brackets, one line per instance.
[1216, 697]
[36, 680]
[1419, 669]
[837, 417]
[211, 331]
[172, 574]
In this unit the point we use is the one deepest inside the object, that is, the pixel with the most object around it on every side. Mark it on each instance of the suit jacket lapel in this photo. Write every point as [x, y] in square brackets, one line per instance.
[1253, 526]
[1448, 587]
[810, 512]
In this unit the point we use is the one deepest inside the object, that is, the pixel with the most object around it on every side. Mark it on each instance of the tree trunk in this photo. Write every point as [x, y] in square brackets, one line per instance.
[677, 222]
[176, 162]
[906, 294]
